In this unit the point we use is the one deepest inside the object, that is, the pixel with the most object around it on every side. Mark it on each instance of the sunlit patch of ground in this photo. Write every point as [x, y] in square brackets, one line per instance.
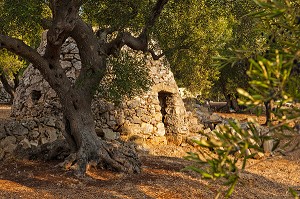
[161, 178]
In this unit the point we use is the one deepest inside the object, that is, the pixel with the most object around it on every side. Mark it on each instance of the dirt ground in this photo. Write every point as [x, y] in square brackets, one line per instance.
[161, 177]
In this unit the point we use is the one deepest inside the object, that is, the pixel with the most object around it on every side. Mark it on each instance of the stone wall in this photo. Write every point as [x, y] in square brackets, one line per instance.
[4, 96]
[157, 115]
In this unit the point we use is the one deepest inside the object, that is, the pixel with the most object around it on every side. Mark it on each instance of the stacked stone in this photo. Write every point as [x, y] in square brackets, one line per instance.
[4, 96]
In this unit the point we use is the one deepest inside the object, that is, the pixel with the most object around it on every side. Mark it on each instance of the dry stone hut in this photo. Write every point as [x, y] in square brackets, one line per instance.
[157, 115]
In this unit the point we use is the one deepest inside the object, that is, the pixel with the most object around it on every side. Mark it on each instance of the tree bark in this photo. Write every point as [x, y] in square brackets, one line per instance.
[269, 105]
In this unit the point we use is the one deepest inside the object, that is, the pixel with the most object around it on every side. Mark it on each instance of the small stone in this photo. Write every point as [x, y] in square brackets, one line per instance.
[25, 143]
[51, 134]
[110, 134]
[34, 143]
[50, 121]
[268, 146]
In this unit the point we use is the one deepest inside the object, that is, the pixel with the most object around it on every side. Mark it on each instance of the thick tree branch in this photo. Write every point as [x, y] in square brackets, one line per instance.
[140, 42]
[8, 88]
[20, 48]
[156, 11]
[65, 14]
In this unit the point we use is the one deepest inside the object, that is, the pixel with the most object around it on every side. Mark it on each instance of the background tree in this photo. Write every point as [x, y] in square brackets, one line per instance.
[95, 49]
[10, 67]
[21, 21]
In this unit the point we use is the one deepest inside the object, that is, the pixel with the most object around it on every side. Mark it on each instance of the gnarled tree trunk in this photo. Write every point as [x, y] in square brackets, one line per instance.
[86, 146]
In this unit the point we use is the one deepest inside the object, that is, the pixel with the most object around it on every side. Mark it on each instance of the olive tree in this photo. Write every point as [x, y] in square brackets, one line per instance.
[95, 48]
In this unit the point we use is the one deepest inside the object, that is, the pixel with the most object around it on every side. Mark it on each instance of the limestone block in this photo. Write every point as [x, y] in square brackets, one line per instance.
[34, 143]
[158, 117]
[268, 146]
[47, 134]
[160, 129]
[146, 118]
[71, 73]
[110, 134]
[25, 143]
[68, 48]
[154, 122]
[77, 65]
[130, 128]
[133, 104]
[65, 64]
[136, 120]
[51, 134]
[146, 128]
[68, 57]
[75, 50]
[193, 121]
[76, 56]
[157, 107]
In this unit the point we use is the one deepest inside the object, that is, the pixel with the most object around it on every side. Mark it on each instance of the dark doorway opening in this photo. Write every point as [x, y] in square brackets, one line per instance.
[36, 95]
[163, 98]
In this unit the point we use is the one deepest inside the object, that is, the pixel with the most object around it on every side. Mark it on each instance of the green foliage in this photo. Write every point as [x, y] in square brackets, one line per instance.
[274, 76]
[230, 145]
[21, 19]
[118, 15]
[127, 76]
[10, 64]
[268, 81]
[245, 43]
[190, 34]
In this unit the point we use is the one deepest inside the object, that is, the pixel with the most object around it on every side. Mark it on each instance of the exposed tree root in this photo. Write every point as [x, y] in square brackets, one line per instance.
[114, 155]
